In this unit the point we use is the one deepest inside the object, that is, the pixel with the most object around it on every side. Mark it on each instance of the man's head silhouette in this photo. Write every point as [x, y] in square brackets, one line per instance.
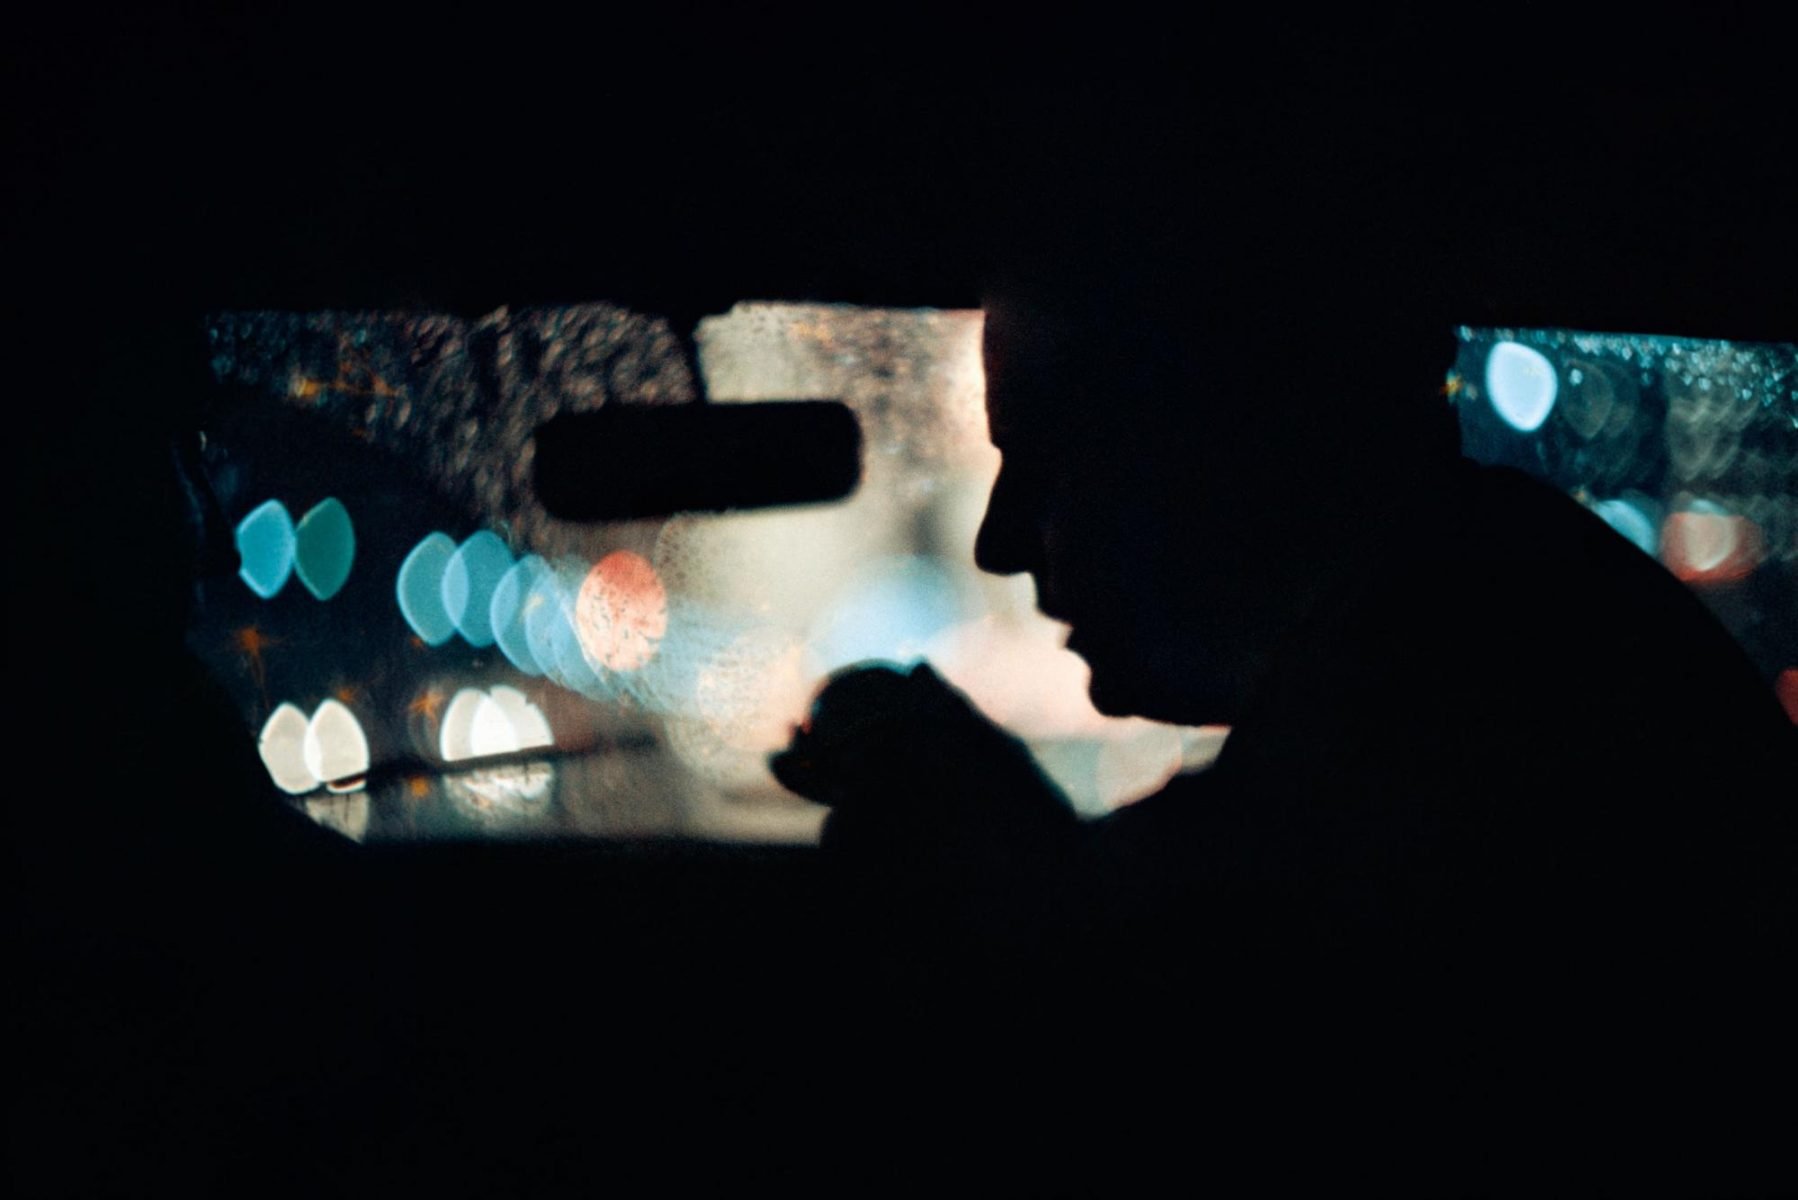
[1177, 517]
[1219, 319]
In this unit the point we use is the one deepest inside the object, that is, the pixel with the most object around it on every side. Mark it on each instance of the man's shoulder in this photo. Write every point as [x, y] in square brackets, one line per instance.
[1518, 657]
[1558, 595]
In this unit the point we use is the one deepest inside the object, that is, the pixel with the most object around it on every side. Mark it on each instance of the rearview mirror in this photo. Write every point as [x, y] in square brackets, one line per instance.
[629, 461]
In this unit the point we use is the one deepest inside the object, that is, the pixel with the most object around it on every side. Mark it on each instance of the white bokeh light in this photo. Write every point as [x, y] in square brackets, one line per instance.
[282, 746]
[335, 747]
[1521, 384]
[479, 724]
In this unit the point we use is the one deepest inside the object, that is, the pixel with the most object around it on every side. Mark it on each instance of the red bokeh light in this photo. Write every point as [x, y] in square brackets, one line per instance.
[1708, 548]
[621, 613]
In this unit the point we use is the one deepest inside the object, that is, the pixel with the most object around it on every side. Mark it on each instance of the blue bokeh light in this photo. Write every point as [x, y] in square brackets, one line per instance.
[573, 669]
[1628, 518]
[265, 544]
[541, 610]
[549, 634]
[420, 589]
[325, 548]
[506, 613]
[469, 580]
[890, 613]
[1521, 383]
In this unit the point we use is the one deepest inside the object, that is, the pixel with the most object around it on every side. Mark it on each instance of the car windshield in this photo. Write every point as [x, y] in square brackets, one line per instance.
[421, 650]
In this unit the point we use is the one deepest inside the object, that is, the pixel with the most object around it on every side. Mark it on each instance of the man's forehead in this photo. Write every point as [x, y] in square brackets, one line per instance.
[1054, 394]
[1026, 376]
[1016, 413]
[1001, 412]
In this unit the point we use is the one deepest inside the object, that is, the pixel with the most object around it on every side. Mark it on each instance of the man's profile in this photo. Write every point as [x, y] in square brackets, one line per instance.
[1501, 798]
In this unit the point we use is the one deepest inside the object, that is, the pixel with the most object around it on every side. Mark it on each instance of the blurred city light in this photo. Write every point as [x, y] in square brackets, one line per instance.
[282, 746]
[265, 544]
[506, 613]
[419, 589]
[325, 548]
[1706, 544]
[470, 578]
[1629, 519]
[335, 748]
[301, 755]
[1521, 384]
[621, 611]
[483, 724]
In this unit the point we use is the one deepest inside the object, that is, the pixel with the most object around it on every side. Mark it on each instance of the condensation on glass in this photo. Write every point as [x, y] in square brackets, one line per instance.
[464, 664]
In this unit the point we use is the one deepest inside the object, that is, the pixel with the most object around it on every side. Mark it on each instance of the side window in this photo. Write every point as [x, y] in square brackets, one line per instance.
[1688, 449]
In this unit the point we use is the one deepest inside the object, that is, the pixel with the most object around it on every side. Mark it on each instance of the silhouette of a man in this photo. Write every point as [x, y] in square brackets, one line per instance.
[1504, 821]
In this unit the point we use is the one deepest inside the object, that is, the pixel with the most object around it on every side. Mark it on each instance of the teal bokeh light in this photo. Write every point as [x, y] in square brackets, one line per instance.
[470, 578]
[325, 548]
[265, 544]
[1634, 521]
[508, 610]
[550, 635]
[420, 589]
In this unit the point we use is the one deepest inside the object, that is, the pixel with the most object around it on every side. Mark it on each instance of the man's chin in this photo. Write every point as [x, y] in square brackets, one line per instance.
[1118, 692]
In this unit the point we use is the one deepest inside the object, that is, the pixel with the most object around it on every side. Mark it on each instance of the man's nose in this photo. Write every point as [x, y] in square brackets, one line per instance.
[1002, 547]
